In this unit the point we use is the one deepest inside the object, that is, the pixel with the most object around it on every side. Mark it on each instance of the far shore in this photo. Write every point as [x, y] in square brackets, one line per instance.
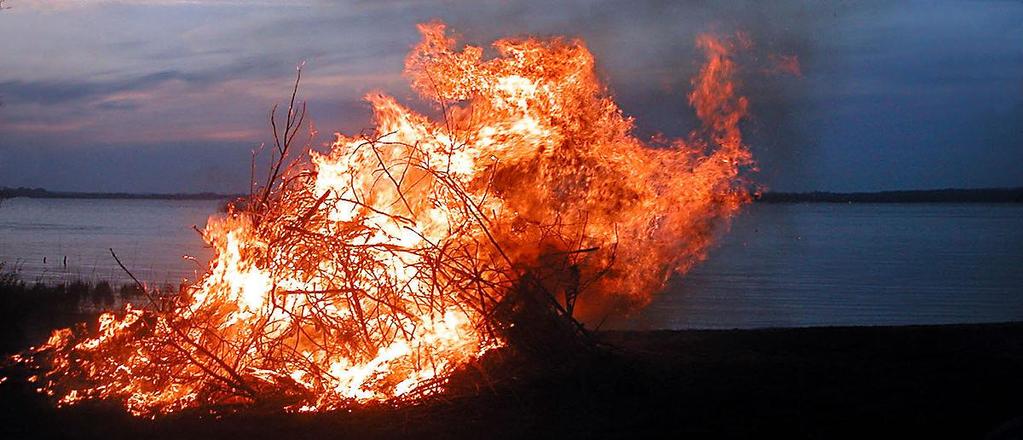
[946, 195]
[40, 193]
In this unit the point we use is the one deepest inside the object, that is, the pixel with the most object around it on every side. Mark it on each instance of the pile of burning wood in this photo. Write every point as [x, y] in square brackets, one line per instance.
[372, 272]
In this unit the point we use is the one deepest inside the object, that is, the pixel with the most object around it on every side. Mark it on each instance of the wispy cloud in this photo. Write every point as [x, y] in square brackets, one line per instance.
[137, 73]
[58, 5]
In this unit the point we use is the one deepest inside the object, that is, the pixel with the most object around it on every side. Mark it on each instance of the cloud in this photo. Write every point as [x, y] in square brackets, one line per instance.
[64, 5]
[63, 92]
[135, 73]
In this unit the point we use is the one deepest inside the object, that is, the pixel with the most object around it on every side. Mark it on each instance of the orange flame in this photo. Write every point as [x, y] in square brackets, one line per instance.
[373, 271]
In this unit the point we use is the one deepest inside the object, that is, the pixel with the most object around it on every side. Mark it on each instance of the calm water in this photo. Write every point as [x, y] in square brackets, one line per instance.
[149, 236]
[780, 265]
[844, 264]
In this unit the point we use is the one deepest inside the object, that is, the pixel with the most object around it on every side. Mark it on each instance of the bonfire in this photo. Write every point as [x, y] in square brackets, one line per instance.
[374, 271]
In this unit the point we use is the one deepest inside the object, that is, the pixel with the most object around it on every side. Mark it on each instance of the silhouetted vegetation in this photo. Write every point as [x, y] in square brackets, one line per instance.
[29, 311]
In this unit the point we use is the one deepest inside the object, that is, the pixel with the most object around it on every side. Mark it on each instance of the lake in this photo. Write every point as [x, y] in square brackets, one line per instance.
[149, 236]
[780, 265]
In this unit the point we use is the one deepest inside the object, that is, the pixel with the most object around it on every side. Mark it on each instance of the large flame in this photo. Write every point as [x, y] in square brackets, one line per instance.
[371, 272]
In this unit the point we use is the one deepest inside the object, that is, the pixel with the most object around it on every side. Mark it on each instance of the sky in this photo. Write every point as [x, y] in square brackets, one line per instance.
[172, 95]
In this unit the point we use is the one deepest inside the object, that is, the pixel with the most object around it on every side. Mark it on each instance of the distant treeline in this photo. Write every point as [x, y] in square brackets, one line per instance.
[40, 193]
[985, 195]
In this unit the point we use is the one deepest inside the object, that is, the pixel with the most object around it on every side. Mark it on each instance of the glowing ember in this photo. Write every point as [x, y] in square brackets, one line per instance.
[372, 272]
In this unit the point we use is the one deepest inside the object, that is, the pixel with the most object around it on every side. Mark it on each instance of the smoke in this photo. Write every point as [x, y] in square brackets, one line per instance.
[646, 55]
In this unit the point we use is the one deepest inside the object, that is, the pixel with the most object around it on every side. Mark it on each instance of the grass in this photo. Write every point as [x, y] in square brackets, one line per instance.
[29, 312]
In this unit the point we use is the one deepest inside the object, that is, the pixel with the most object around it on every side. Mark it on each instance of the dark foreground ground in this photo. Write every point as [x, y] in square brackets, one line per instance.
[962, 381]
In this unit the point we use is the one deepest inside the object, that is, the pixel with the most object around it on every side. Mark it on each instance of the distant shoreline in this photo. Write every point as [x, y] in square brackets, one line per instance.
[40, 193]
[949, 195]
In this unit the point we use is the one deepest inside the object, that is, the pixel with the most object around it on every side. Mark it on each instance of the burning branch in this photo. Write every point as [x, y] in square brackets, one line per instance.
[282, 141]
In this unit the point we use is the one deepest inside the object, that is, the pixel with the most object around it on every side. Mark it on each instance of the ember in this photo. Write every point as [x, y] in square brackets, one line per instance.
[372, 272]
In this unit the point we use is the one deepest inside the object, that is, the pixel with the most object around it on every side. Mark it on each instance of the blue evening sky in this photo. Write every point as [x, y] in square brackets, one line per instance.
[170, 95]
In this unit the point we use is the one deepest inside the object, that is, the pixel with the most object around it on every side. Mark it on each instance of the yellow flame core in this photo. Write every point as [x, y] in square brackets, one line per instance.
[373, 270]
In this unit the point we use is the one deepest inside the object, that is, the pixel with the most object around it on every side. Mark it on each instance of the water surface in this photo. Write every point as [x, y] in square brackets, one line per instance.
[780, 265]
[149, 236]
[852, 264]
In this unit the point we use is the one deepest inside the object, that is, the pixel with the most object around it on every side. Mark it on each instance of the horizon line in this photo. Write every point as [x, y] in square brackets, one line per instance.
[1011, 194]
